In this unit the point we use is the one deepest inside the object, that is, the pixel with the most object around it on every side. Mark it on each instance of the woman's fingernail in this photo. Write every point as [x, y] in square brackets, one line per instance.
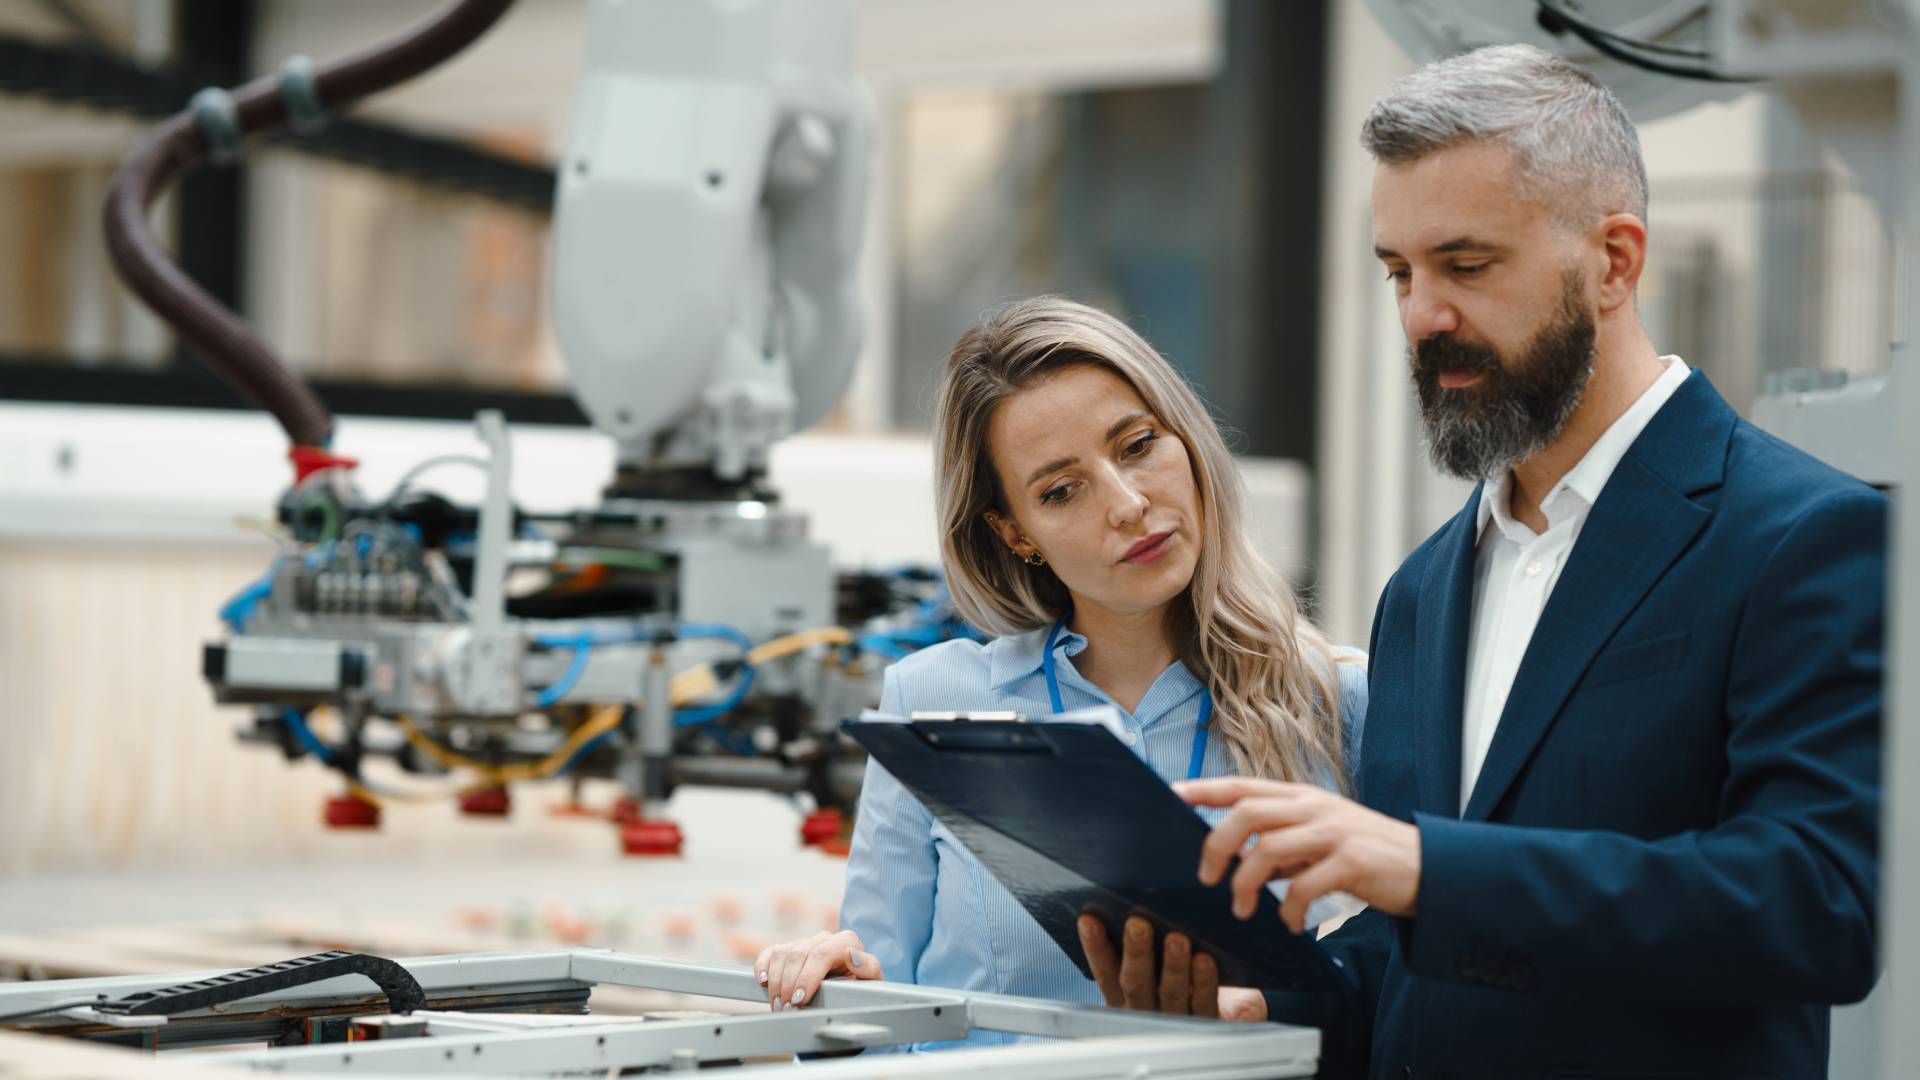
[855, 958]
[763, 978]
[778, 1004]
[799, 995]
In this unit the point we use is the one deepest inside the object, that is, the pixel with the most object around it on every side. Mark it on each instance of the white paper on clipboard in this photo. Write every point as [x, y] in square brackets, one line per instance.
[1105, 716]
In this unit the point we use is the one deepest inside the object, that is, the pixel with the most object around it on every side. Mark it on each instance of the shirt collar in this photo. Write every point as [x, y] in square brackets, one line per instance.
[1587, 478]
[1016, 656]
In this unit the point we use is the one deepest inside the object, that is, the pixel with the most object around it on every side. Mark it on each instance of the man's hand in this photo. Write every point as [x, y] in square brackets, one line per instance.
[792, 972]
[1324, 842]
[1187, 984]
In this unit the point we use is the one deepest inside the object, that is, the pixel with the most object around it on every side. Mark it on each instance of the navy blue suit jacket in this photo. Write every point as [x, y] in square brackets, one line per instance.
[1668, 863]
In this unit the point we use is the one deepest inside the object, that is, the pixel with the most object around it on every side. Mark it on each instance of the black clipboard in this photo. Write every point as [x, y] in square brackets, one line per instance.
[1070, 821]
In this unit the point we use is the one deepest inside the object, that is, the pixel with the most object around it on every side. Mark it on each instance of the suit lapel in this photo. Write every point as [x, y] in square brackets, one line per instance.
[1644, 520]
[1440, 660]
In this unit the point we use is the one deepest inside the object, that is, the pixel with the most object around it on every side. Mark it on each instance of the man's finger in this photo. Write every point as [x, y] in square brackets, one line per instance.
[1136, 965]
[1311, 884]
[1226, 790]
[1276, 854]
[1206, 986]
[1176, 979]
[1249, 816]
[1224, 841]
[1101, 958]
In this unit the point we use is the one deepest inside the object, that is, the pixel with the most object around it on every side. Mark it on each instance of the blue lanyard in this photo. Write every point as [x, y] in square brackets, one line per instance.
[1195, 759]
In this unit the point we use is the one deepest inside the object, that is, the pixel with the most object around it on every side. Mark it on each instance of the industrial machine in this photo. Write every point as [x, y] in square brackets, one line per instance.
[684, 629]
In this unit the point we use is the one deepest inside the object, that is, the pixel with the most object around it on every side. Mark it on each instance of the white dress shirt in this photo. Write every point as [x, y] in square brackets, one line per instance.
[1517, 568]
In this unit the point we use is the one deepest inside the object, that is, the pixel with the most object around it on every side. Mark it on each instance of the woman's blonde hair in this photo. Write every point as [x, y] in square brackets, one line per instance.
[1271, 672]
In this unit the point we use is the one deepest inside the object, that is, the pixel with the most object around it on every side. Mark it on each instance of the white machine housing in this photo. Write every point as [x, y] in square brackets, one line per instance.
[735, 136]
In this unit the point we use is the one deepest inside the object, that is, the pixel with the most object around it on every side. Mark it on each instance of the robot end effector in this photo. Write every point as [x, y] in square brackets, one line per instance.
[706, 229]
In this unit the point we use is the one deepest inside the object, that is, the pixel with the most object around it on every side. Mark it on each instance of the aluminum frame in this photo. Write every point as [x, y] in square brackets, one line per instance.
[1095, 1042]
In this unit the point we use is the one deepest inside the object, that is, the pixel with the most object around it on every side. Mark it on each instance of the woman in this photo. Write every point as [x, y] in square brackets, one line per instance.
[1091, 515]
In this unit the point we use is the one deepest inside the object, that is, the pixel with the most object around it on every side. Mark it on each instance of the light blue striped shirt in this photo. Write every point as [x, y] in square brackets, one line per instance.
[919, 900]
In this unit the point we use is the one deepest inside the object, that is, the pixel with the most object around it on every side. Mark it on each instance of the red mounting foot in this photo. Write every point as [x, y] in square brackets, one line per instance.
[656, 837]
[624, 811]
[820, 826]
[487, 802]
[351, 812]
[308, 460]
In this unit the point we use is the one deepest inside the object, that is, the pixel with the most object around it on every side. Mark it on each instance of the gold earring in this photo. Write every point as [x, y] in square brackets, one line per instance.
[1034, 558]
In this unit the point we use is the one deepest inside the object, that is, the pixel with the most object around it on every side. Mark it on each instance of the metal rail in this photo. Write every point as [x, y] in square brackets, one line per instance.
[1083, 1041]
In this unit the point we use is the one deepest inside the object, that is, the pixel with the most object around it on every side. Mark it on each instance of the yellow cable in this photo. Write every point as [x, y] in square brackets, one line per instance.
[359, 791]
[604, 721]
[701, 680]
[792, 643]
[695, 682]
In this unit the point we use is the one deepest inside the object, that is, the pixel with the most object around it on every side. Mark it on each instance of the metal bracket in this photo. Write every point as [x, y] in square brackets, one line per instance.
[857, 1034]
[301, 94]
[489, 605]
[219, 121]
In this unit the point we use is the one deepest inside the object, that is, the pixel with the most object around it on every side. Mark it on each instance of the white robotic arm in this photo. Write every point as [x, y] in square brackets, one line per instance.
[707, 224]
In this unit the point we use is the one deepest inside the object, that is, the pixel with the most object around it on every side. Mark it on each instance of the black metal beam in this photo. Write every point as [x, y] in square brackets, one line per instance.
[54, 378]
[78, 75]
[210, 205]
[1270, 128]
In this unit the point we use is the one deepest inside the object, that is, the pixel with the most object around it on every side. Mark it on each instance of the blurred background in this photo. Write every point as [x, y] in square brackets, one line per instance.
[1192, 164]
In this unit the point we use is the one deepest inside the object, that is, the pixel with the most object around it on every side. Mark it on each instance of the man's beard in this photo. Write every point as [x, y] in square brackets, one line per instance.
[1514, 411]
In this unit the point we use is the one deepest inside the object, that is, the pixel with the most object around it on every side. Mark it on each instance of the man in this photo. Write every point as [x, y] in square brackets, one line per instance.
[1621, 764]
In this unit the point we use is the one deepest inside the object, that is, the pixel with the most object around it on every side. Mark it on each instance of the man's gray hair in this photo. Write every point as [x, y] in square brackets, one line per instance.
[1573, 144]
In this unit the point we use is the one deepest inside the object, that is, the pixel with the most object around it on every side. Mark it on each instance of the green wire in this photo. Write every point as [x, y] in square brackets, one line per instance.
[331, 525]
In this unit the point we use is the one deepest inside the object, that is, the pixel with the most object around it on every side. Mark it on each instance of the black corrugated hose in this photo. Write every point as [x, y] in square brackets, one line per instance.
[230, 347]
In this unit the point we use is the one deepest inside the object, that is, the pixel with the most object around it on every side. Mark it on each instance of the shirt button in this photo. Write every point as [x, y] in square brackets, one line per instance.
[1129, 738]
[1535, 568]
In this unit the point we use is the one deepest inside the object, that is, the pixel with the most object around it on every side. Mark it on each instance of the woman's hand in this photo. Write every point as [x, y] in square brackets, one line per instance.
[792, 972]
[1188, 984]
